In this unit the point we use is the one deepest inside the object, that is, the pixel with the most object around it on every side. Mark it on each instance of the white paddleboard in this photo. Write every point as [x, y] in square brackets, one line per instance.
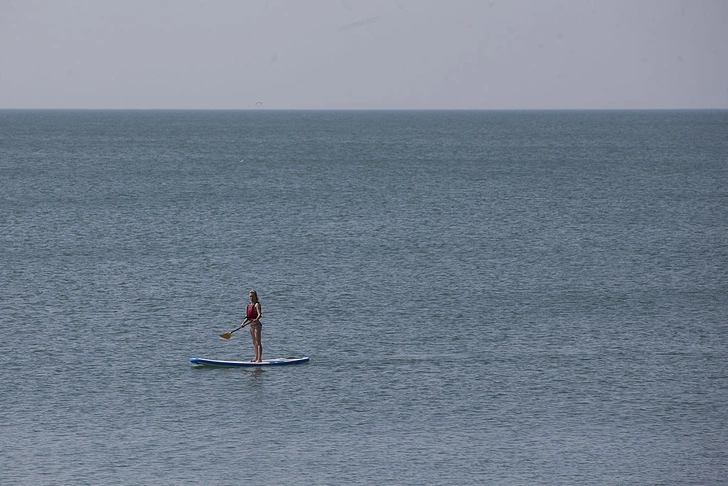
[265, 362]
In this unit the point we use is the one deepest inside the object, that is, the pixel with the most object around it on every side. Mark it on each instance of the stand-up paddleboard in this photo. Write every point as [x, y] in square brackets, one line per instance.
[266, 362]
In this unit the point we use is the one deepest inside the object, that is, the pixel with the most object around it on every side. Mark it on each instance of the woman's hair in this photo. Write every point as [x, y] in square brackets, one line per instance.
[255, 296]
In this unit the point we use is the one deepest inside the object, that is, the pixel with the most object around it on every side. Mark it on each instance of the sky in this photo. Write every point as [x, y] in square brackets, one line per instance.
[364, 54]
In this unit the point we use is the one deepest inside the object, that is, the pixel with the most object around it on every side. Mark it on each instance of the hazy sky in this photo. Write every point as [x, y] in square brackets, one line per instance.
[364, 54]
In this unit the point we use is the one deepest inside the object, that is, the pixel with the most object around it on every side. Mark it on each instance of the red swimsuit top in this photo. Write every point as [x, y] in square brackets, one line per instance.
[250, 312]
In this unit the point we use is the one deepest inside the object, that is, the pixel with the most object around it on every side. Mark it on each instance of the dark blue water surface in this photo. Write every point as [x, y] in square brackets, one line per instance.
[486, 297]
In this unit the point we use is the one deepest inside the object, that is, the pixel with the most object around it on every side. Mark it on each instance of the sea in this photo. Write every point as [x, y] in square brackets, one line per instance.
[486, 297]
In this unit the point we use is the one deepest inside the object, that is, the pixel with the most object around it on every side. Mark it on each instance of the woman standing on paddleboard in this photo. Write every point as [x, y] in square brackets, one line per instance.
[252, 316]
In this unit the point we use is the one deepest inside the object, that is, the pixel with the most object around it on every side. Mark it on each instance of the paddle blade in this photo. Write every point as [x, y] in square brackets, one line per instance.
[226, 335]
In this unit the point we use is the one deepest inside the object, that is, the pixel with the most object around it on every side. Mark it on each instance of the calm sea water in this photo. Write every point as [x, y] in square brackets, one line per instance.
[486, 297]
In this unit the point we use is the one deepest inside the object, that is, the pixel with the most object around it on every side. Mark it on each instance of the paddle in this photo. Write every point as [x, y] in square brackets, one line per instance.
[226, 335]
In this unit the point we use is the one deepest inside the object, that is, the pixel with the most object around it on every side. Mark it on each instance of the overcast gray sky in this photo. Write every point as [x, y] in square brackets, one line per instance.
[364, 54]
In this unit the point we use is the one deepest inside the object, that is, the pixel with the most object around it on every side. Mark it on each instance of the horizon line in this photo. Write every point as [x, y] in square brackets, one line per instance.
[364, 109]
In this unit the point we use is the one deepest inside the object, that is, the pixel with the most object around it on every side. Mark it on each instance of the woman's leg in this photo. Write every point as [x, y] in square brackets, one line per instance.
[257, 346]
[252, 337]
